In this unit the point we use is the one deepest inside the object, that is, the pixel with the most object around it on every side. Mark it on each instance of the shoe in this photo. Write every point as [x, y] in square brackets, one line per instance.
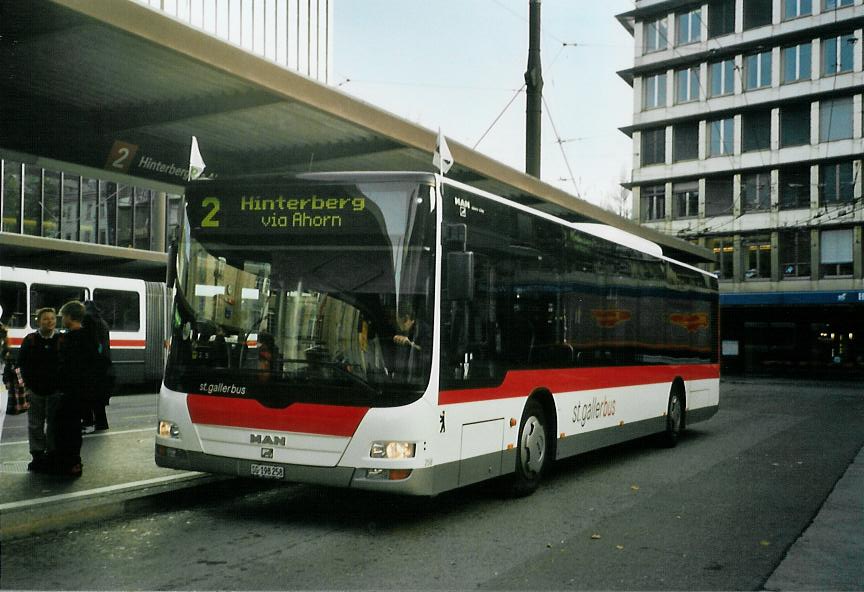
[87, 430]
[74, 471]
[39, 464]
[101, 428]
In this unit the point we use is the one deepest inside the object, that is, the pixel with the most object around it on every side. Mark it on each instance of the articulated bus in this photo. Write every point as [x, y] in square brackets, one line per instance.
[408, 333]
[133, 309]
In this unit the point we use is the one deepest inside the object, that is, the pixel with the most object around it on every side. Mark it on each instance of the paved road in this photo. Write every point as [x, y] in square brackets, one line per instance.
[717, 512]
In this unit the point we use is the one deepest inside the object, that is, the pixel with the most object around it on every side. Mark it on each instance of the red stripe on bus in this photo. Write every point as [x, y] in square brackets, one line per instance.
[520, 383]
[128, 343]
[16, 341]
[307, 418]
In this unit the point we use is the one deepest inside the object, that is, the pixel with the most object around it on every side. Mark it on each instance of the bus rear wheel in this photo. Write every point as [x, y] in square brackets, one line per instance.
[532, 450]
[674, 420]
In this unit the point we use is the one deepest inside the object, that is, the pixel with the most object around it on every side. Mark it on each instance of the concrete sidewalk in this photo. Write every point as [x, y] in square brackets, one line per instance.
[118, 470]
[829, 555]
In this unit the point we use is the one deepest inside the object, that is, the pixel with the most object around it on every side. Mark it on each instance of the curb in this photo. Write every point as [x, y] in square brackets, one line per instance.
[30, 517]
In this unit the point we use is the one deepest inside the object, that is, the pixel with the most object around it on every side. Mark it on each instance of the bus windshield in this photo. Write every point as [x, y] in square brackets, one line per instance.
[300, 291]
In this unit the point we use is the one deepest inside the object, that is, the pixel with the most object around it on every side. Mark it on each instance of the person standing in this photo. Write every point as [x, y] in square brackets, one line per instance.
[4, 371]
[78, 363]
[37, 360]
[94, 405]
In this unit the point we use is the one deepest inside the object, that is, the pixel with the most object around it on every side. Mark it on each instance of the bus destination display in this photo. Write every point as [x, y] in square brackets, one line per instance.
[277, 212]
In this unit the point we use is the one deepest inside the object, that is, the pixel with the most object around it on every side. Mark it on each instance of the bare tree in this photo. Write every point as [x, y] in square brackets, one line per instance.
[617, 198]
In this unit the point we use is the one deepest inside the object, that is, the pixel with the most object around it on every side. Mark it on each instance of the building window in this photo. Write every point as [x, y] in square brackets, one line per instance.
[51, 196]
[724, 253]
[124, 216]
[688, 26]
[70, 212]
[687, 85]
[173, 217]
[89, 210]
[757, 13]
[653, 146]
[722, 78]
[836, 183]
[721, 136]
[32, 200]
[655, 35]
[838, 54]
[757, 70]
[11, 196]
[794, 187]
[758, 249]
[832, 4]
[143, 201]
[685, 199]
[795, 124]
[756, 130]
[796, 63]
[756, 192]
[835, 119]
[794, 253]
[835, 253]
[655, 91]
[685, 137]
[718, 197]
[107, 213]
[653, 202]
[721, 17]
[796, 8]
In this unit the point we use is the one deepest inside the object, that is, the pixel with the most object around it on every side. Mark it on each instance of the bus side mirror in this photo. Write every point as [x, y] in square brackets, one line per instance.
[460, 275]
[171, 270]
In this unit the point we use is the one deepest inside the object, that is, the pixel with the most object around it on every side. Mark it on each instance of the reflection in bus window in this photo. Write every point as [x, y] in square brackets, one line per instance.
[119, 308]
[13, 302]
[42, 295]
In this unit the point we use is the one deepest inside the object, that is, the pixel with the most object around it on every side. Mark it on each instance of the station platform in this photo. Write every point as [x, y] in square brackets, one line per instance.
[118, 470]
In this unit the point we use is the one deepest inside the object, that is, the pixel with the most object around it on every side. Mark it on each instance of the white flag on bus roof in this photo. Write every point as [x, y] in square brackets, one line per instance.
[196, 163]
[442, 157]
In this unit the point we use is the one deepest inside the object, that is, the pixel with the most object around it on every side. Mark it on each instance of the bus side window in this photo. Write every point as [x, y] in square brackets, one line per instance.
[13, 303]
[42, 295]
[119, 308]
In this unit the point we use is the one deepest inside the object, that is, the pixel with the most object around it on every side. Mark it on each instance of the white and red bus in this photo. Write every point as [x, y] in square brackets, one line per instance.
[405, 332]
[133, 309]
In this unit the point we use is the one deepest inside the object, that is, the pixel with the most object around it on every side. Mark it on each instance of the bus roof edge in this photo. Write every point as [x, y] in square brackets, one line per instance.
[619, 236]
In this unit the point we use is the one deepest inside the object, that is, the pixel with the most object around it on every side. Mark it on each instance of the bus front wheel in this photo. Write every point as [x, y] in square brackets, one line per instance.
[532, 450]
[674, 419]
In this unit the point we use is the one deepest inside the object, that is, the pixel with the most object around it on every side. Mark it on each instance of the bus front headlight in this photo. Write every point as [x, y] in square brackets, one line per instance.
[168, 430]
[393, 450]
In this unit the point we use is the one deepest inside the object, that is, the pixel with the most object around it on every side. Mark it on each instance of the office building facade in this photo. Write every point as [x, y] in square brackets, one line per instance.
[747, 139]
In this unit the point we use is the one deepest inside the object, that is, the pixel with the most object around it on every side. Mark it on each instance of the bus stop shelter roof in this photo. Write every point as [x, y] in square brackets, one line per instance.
[114, 85]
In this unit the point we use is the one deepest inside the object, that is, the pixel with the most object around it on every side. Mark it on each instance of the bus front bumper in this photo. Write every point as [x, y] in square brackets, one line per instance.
[423, 481]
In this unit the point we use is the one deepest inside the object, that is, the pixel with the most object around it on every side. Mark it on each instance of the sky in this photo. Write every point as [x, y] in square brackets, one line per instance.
[456, 64]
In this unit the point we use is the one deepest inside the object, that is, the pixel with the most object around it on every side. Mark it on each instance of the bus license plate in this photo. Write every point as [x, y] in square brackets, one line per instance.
[268, 471]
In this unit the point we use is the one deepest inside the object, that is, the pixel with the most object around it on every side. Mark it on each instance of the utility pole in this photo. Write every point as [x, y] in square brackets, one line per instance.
[534, 85]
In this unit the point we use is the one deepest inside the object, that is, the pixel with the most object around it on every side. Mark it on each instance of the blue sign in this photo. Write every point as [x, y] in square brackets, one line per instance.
[846, 297]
